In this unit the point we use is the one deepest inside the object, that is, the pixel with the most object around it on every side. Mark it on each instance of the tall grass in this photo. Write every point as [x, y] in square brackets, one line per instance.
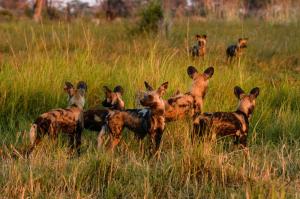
[38, 59]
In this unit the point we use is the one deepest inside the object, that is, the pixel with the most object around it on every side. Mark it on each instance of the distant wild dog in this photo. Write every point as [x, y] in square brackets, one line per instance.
[94, 119]
[68, 120]
[147, 121]
[199, 48]
[234, 124]
[236, 49]
[190, 103]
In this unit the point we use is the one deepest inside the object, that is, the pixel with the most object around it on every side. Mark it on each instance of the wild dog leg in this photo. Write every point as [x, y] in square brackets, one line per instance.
[78, 140]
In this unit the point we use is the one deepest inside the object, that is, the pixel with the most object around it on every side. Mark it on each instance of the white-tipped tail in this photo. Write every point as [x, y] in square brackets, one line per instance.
[101, 135]
[32, 133]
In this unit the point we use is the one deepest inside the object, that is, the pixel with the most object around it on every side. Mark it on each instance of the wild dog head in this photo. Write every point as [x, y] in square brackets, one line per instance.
[113, 99]
[201, 40]
[246, 101]
[242, 42]
[153, 98]
[76, 96]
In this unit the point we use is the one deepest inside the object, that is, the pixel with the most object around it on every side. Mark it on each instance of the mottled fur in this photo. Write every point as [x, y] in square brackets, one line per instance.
[199, 48]
[148, 121]
[94, 119]
[68, 120]
[236, 49]
[190, 103]
[229, 123]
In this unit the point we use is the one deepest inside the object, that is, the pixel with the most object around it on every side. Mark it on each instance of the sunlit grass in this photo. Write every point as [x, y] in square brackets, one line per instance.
[38, 59]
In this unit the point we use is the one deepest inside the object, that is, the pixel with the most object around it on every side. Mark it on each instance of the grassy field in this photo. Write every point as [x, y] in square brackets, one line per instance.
[36, 60]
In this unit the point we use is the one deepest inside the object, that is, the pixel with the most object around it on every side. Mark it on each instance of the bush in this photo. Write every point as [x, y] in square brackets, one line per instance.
[151, 17]
[6, 15]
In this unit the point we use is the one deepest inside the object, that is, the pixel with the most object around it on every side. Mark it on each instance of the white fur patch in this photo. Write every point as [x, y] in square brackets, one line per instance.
[32, 133]
[143, 112]
[97, 118]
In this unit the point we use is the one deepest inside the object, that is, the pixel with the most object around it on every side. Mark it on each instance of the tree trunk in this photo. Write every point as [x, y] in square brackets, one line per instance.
[38, 10]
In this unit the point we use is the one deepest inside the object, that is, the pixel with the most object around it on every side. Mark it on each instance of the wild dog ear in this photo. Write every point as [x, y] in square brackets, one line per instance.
[197, 36]
[209, 72]
[238, 91]
[192, 71]
[204, 36]
[106, 90]
[177, 92]
[162, 89]
[148, 87]
[119, 89]
[240, 39]
[82, 87]
[254, 92]
[69, 88]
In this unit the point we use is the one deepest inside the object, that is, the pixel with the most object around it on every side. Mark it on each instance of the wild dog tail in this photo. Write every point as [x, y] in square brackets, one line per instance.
[102, 133]
[33, 133]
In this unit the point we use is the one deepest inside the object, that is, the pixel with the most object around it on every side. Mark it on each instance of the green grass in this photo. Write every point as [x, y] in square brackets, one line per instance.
[37, 59]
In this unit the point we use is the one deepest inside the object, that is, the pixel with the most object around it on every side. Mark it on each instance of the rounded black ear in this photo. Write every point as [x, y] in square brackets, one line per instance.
[162, 89]
[255, 92]
[148, 87]
[191, 71]
[82, 85]
[106, 89]
[68, 85]
[240, 39]
[204, 36]
[238, 91]
[164, 85]
[119, 89]
[209, 72]
[197, 36]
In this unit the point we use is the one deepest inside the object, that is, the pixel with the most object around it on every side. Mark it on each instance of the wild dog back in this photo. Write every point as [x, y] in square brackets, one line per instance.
[94, 119]
[182, 105]
[69, 120]
[230, 123]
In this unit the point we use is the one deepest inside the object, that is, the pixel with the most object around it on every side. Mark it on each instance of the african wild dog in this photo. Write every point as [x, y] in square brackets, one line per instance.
[229, 123]
[190, 103]
[94, 119]
[236, 49]
[68, 120]
[199, 48]
[145, 121]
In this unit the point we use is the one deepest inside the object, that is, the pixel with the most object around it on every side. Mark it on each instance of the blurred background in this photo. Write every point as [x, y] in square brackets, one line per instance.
[100, 10]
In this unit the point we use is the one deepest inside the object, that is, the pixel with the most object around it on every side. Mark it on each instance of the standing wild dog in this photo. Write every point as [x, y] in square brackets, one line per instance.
[68, 120]
[230, 123]
[236, 49]
[190, 103]
[94, 119]
[199, 48]
[145, 121]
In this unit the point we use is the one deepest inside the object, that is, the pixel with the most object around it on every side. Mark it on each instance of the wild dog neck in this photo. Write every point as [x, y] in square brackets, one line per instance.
[78, 102]
[158, 108]
[245, 110]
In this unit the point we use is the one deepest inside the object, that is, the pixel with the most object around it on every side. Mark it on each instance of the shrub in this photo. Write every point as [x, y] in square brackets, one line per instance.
[151, 17]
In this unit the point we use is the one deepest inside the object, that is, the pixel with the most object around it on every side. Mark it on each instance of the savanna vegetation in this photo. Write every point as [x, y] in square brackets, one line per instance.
[36, 60]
